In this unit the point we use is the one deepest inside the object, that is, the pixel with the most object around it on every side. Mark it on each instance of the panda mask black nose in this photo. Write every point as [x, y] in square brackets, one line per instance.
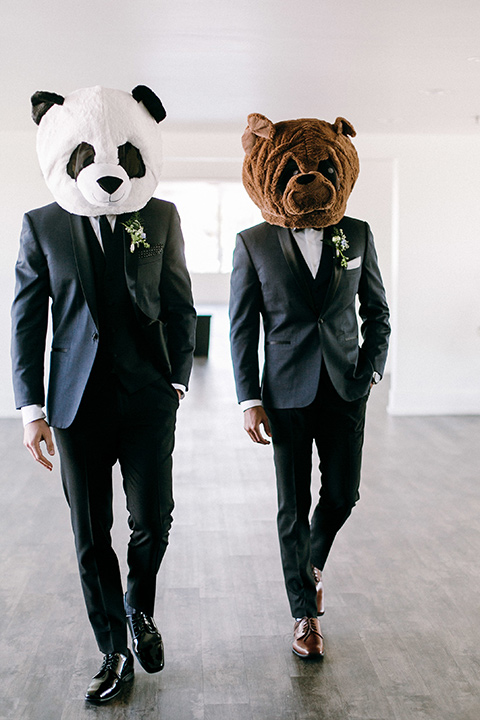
[109, 184]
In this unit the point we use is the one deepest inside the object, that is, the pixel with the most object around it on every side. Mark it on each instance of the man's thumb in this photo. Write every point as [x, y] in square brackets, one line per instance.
[50, 445]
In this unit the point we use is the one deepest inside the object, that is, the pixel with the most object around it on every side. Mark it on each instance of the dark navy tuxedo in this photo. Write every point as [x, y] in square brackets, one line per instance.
[316, 377]
[123, 329]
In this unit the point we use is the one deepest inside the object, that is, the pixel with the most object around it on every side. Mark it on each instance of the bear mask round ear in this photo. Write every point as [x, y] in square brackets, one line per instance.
[143, 94]
[42, 101]
[258, 126]
[342, 126]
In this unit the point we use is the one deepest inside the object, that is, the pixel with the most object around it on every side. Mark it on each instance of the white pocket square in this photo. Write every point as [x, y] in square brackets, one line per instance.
[355, 263]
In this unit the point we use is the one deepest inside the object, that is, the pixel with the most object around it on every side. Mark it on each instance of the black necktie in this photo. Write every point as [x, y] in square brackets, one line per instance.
[107, 236]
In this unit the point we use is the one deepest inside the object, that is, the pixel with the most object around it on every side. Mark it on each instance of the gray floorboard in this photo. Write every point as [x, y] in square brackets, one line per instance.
[402, 623]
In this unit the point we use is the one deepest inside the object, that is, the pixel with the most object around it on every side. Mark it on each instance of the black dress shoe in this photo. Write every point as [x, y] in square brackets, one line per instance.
[147, 641]
[116, 671]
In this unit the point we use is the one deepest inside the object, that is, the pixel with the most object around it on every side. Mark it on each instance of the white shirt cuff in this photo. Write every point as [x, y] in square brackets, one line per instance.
[30, 413]
[180, 387]
[247, 404]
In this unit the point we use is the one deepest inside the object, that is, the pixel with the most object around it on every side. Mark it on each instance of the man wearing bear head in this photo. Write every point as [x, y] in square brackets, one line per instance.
[110, 260]
[302, 272]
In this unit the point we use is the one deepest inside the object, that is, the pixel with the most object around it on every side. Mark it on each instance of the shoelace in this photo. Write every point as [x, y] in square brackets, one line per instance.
[143, 623]
[308, 626]
[110, 662]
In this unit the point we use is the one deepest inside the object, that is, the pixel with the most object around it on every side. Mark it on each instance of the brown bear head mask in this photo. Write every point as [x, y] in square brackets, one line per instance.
[300, 173]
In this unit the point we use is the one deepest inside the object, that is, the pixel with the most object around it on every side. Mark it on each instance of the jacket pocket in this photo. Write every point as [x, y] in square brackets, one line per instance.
[354, 263]
[152, 254]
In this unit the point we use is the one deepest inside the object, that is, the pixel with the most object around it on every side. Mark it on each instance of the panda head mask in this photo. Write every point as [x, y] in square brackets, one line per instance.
[99, 149]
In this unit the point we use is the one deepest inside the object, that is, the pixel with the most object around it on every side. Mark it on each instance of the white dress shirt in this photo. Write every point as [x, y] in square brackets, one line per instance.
[310, 242]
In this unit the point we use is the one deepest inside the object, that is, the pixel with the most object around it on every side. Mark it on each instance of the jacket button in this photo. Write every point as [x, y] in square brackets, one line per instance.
[320, 321]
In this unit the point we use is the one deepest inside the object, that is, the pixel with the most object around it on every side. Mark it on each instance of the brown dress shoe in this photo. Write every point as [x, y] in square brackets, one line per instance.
[317, 575]
[307, 639]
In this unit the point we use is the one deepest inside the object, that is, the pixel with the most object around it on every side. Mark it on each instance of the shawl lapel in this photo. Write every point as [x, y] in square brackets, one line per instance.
[84, 263]
[336, 272]
[130, 259]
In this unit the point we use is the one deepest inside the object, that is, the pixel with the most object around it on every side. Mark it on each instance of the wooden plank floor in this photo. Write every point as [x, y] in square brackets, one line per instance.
[402, 625]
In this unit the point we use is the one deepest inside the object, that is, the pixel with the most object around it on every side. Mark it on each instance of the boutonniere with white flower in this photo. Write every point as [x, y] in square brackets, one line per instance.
[135, 229]
[340, 243]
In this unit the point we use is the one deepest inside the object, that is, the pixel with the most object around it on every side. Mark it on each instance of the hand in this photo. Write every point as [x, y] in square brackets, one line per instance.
[179, 393]
[33, 435]
[253, 418]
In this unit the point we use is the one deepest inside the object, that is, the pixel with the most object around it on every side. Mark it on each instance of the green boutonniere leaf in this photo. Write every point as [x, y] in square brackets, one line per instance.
[135, 229]
[340, 243]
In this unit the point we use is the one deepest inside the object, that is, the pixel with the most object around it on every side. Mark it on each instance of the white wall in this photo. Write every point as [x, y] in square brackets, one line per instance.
[421, 196]
[435, 358]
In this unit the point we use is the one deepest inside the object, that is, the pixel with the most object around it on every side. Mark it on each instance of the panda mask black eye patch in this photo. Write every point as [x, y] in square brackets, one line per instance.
[130, 158]
[82, 156]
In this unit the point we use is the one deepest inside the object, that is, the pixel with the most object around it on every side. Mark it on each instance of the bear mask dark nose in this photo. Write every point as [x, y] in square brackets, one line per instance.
[109, 183]
[305, 179]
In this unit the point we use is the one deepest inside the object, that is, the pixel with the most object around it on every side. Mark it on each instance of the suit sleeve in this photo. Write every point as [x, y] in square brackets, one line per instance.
[373, 309]
[177, 304]
[29, 320]
[245, 308]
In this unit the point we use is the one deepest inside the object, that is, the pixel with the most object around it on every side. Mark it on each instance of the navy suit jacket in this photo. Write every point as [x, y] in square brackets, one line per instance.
[54, 266]
[268, 282]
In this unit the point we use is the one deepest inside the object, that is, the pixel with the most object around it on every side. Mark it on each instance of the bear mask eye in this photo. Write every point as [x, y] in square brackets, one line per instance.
[327, 168]
[291, 168]
[131, 160]
[82, 156]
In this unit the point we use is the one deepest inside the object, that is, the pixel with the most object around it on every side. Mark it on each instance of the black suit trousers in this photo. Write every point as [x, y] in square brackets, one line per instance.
[337, 428]
[137, 429]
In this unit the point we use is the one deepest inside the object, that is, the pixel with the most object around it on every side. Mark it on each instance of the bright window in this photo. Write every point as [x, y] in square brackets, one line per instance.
[212, 213]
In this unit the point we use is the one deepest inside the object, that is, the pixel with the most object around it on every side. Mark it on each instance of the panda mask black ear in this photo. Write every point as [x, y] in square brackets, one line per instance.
[152, 102]
[42, 101]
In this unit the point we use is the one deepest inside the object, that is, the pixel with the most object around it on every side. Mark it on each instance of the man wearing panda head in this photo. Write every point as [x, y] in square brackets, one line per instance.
[302, 272]
[110, 260]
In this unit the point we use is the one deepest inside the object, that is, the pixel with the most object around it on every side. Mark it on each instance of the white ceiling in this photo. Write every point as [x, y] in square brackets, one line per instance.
[386, 65]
